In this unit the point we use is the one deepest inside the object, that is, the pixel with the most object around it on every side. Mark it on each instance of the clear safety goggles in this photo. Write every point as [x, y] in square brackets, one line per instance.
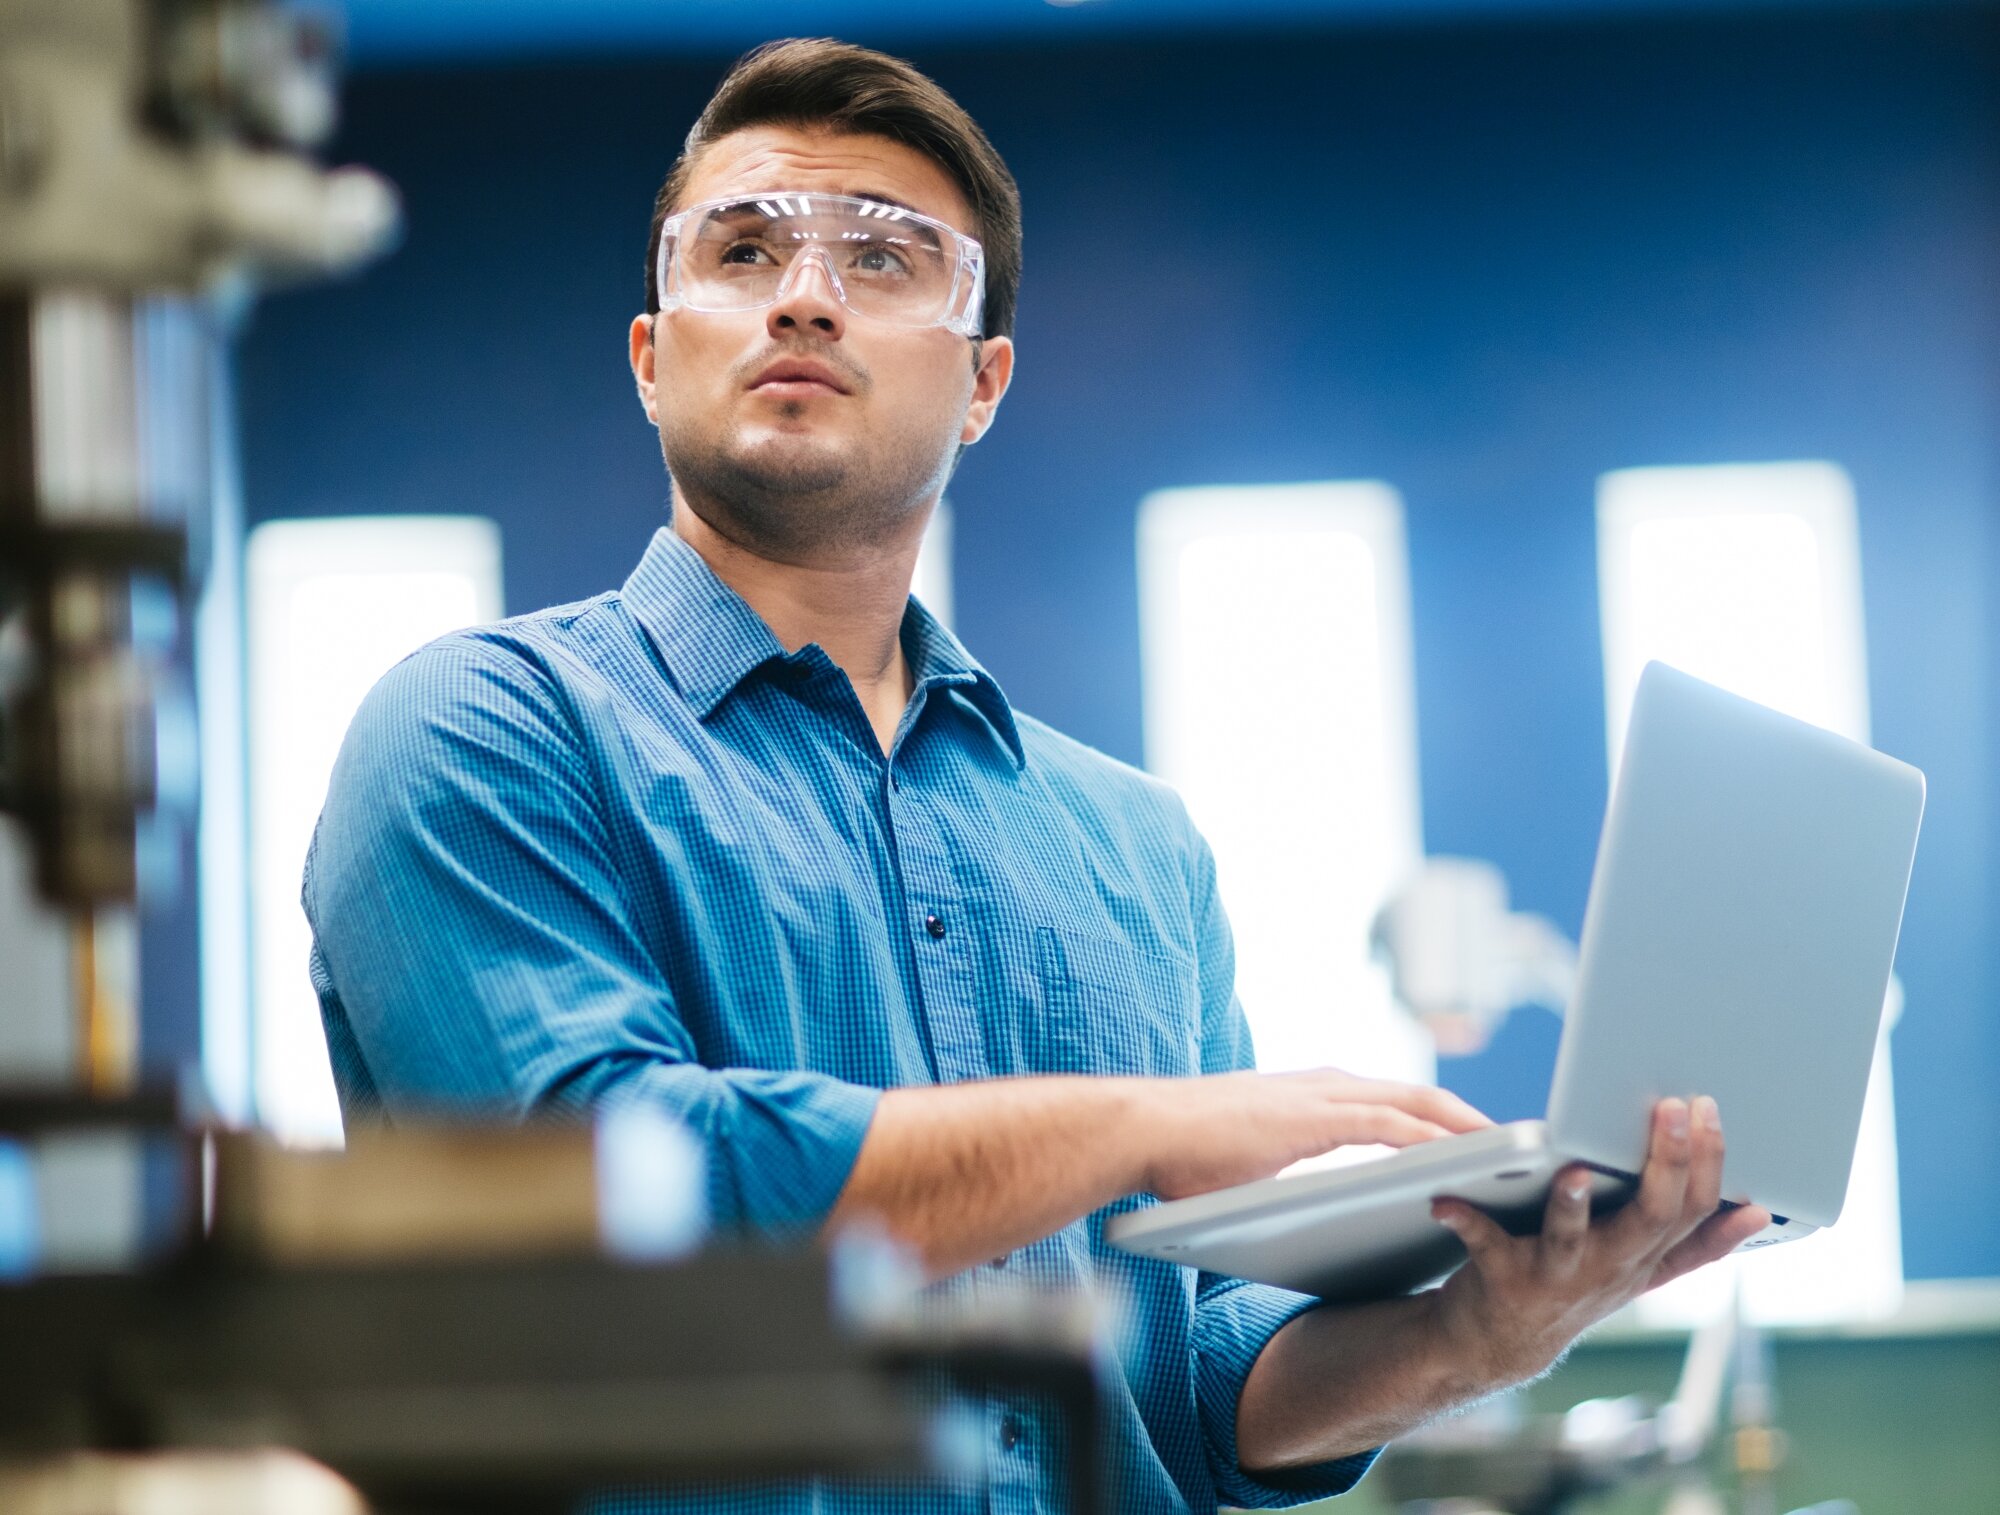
[882, 261]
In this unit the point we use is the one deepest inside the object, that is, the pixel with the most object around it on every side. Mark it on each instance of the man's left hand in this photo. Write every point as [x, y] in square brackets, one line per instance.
[1519, 1302]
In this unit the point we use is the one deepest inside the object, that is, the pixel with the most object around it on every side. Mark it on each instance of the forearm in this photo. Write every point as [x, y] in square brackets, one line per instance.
[968, 1172]
[1340, 1380]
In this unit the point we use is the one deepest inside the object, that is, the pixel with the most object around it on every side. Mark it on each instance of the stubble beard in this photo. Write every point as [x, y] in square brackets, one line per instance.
[795, 497]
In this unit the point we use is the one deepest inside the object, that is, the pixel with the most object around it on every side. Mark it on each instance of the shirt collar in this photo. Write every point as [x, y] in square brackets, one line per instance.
[938, 658]
[710, 637]
[712, 640]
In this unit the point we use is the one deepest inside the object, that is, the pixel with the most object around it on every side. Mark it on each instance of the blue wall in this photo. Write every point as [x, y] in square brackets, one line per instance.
[1483, 264]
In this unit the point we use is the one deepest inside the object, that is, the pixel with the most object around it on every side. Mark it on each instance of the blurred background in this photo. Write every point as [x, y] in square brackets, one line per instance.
[1395, 376]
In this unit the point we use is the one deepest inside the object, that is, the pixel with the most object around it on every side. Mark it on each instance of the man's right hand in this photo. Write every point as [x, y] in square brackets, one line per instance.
[964, 1173]
[1206, 1133]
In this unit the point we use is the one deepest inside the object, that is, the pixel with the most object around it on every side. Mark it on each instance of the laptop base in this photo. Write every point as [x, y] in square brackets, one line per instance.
[1365, 1231]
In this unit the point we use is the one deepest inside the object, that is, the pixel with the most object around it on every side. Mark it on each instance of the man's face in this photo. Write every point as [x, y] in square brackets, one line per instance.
[805, 469]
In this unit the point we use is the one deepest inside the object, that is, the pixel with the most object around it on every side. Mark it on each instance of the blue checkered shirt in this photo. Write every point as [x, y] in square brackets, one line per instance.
[632, 849]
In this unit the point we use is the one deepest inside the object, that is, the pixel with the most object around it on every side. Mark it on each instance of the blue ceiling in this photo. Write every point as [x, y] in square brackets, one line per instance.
[401, 32]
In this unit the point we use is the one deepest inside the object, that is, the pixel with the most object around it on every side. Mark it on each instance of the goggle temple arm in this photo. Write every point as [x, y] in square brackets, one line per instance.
[970, 319]
[665, 261]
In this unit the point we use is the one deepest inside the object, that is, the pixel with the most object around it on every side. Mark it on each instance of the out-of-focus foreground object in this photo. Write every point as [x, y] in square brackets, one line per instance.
[215, 1483]
[153, 174]
[498, 1318]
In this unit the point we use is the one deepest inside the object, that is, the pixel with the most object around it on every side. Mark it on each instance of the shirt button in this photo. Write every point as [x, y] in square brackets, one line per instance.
[1011, 1433]
[934, 924]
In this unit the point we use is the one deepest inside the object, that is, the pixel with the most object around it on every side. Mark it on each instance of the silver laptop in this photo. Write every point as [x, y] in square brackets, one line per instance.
[1738, 940]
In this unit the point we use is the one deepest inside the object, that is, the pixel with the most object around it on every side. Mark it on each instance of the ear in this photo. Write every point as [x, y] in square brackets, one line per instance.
[642, 365]
[989, 384]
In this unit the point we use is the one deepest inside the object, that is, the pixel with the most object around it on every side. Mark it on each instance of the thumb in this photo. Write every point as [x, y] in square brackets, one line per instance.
[1480, 1232]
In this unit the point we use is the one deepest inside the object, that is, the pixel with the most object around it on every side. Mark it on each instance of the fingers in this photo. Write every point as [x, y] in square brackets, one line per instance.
[1655, 1216]
[1704, 1191]
[1438, 1106]
[1671, 1227]
[1379, 1123]
[1482, 1235]
[1566, 1222]
[1716, 1237]
[1443, 1107]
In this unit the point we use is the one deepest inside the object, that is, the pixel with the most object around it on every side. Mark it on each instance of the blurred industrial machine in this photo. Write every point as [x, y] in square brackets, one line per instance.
[1460, 959]
[192, 1319]
[153, 176]
[1498, 1460]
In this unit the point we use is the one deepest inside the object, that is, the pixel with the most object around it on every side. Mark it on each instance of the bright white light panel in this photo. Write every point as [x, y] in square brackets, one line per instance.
[1276, 645]
[1748, 575]
[330, 605]
[932, 583]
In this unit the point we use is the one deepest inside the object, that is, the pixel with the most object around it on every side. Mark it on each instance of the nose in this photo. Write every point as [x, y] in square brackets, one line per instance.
[807, 300]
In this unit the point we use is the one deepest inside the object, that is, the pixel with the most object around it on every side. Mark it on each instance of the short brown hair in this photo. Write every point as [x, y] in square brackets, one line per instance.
[835, 86]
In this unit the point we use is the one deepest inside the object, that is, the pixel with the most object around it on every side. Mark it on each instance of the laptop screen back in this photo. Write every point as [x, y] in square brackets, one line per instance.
[1742, 924]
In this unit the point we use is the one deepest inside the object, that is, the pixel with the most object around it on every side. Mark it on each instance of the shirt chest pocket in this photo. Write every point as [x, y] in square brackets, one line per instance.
[1107, 1007]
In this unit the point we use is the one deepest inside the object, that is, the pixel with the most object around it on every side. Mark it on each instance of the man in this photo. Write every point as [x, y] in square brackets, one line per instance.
[754, 840]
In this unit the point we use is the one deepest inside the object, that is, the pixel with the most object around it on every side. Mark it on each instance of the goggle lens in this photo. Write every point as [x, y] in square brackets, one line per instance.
[883, 261]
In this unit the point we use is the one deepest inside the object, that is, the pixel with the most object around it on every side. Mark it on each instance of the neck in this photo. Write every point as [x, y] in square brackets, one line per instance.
[851, 605]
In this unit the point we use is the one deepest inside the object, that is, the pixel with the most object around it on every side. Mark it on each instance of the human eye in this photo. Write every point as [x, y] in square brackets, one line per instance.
[884, 262]
[881, 260]
[744, 253]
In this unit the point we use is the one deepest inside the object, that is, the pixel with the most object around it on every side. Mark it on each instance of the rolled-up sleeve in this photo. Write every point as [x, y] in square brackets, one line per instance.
[1233, 1319]
[486, 959]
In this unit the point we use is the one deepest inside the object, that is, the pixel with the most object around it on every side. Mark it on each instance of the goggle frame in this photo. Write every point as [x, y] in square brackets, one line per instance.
[964, 308]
